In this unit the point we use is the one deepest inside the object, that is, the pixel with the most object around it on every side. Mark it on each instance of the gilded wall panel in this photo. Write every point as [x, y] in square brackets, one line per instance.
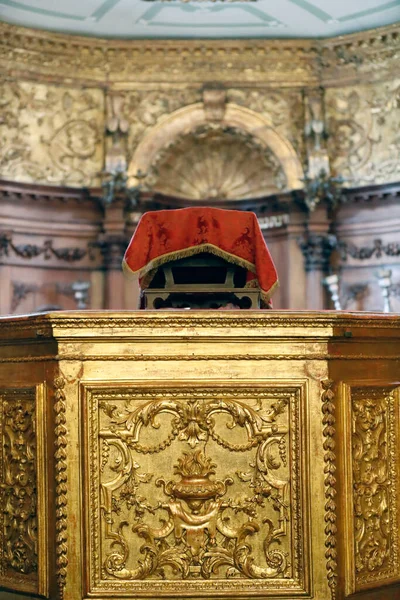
[374, 460]
[196, 490]
[284, 108]
[18, 499]
[363, 126]
[143, 109]
[51, 134]
[56, 135]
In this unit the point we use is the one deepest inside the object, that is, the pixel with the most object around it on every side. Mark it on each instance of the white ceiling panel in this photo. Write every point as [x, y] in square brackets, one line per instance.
[202, 18]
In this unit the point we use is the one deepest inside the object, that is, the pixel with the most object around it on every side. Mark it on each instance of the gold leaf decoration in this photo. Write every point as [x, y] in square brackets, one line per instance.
[18, 500]
[329, 431]
[375, 484]
[215, 162]
[61, 485]
[196, 486]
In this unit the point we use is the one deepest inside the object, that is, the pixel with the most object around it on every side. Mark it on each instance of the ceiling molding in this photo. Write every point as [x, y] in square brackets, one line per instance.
[44, 56]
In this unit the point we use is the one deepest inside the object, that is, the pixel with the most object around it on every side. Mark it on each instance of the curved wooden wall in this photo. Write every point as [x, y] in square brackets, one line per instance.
[51, 237]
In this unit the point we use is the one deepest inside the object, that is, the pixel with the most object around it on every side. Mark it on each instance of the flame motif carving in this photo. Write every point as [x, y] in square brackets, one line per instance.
[200, 519]
[19, 497]
[375, 484]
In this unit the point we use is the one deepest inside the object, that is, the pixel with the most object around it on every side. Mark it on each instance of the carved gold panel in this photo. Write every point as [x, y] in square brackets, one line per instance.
[23, 533]
[196, 490]
[372, 481]
[363, 121]
[51, 134]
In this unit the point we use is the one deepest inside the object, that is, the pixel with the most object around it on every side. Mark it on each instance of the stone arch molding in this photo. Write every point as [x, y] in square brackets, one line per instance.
[187, 119]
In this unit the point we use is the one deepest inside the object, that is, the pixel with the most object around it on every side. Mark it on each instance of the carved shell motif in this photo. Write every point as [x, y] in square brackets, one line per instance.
[215, 162]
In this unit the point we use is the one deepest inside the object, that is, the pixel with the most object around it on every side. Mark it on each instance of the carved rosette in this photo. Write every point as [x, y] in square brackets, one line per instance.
[375, 485]
[18, 500]
[195, 490]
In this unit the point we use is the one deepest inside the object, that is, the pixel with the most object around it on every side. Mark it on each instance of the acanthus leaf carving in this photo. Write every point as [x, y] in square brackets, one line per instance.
[375, 484]
[202, 522]
[362, 125]
[66, 126]
[18, 518]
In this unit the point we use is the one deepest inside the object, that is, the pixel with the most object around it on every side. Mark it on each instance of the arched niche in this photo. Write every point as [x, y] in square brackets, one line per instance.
[190, 119]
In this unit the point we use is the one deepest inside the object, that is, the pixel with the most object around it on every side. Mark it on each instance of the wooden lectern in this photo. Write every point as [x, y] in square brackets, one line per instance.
[201, 281]
[200, 455]
[201, 258]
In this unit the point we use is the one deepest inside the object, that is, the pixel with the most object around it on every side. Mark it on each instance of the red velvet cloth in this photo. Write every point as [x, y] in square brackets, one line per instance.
[165, 235]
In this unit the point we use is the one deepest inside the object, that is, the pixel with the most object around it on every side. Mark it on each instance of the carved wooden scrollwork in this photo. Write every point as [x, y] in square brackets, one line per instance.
[195, 489]
[375, 485]
[18, 500]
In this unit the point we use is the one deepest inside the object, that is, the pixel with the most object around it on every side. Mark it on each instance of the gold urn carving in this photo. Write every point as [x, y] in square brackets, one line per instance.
[232, 511]
[202, 455]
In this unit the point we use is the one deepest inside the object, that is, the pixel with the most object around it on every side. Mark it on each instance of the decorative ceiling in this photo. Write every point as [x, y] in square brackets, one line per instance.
[202, 18]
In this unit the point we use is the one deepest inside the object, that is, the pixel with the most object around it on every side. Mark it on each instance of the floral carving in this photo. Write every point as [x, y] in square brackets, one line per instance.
[74, 141]
[199, 521]
[363, 124]
[377, 249]
[19, 552]
[375, 484]
[56, 135]
[285, 109]
[143, 109]
[47, 250]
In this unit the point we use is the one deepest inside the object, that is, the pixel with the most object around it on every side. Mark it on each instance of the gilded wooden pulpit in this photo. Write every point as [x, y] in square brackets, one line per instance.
[229, 455]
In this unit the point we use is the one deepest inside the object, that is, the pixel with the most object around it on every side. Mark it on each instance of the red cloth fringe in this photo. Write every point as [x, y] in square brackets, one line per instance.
[165, 235]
